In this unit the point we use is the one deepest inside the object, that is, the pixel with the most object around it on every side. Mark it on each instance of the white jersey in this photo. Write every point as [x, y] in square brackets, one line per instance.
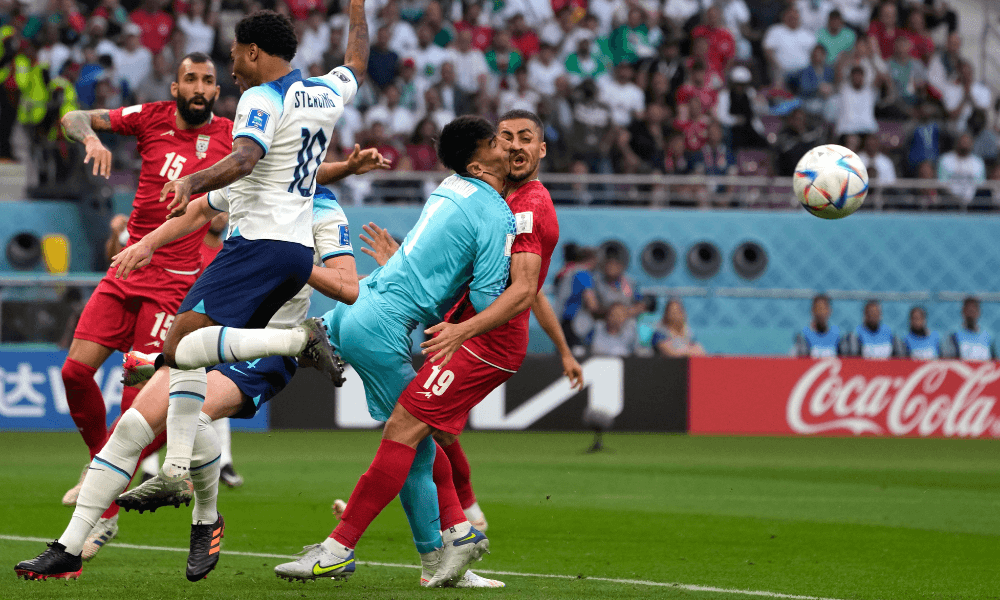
[292, 120]
[331, 236]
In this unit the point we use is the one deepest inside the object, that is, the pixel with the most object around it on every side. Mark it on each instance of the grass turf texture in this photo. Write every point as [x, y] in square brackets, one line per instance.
[833, 518]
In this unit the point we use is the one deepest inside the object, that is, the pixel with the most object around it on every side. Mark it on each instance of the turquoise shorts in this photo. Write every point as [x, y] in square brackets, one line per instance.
[376, 345]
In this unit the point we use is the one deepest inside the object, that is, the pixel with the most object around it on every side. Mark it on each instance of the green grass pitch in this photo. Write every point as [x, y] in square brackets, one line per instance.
[827, 518]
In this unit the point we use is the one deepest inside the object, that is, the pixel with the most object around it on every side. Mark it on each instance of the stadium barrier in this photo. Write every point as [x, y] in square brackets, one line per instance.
[32, 396]
[638, 394]
[844, 397]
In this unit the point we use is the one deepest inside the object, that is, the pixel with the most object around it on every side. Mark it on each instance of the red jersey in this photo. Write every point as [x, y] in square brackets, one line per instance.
[156, 28]
[208, 253]
[168, 153]
[537, 233]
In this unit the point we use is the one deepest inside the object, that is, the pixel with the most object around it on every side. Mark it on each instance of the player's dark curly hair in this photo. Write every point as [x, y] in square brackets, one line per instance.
[518, 113]
[460, 139]
[273, 33]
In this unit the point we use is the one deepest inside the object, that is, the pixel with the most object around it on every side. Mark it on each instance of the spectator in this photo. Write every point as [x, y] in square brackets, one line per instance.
[672, 336]
[334, 55]
[613, 286]
[453, 99]
[156, 86]
[503, 59]
[524, 40]
[383, 63]
[908, 78]
[402, 37]
[856, 105]
[679, 12]
[676, 161]
[634, 40]
[715, 157]
[544, 69]
[443, 30]
[558, 31]
[795, 139]
[856, 14]
[964, 96]
[480, 35]
[693, 123]
[819, 339]
[735, 109]
[986, 144]
[814, 84]
[787, 45]
[156, 25]
[428, 56]
[435, 111]
[591, 126]
[578, 301]
[872, 339]
[814, 13]
[535, 13]
[836, 37]
[884, 31]
[971, 343]
[622, 95]
[697, 86]
[944, 64]
[411, 88]
[396, 118]
[133, 61]
[919, 343]
[962, 170]
[471, 68]
[582, 64]
[199, 29]
[420, 147]
[521, 96]
[925, 141]
[314, 39]
[616, 334]
[875, 70]
[648, 136]
[922, 46]
[667, 73]
[721, 44]
[879, 164]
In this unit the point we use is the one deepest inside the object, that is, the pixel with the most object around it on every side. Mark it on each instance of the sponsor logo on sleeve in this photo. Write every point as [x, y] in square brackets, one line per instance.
[257, 119]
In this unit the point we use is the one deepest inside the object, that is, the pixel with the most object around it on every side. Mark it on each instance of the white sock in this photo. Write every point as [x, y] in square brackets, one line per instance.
[205, 465]
[221, 427]
[215, 345]
[457, 532]
[187, 395]
[334, 546]
[151, 465]
[108, 476]
[474, 513]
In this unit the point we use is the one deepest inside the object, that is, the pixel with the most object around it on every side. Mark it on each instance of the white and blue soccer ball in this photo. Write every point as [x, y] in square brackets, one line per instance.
[831, 182]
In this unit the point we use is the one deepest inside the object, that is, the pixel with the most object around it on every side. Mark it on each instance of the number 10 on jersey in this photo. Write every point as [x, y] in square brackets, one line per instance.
[309, 160]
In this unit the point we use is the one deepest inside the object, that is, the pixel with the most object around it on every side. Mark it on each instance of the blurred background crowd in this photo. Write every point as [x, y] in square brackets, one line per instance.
[716, 87]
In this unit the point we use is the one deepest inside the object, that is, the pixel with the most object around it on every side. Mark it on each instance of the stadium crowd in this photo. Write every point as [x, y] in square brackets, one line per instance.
[624, 86]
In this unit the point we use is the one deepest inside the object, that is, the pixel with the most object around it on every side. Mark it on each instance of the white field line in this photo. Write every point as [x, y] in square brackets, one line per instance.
[679, 586]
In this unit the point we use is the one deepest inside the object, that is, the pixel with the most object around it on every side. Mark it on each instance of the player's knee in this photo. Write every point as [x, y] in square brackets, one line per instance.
[76, 373]
[444, 438]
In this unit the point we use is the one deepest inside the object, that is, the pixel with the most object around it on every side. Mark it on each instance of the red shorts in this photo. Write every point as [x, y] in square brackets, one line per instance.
[442, 398]
[135, 312]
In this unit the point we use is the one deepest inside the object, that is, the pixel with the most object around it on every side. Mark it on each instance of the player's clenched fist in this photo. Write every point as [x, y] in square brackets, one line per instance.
[134, 257]
[181, 189]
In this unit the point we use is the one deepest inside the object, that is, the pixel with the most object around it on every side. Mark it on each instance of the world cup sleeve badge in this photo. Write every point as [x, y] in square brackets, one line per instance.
[201, 146]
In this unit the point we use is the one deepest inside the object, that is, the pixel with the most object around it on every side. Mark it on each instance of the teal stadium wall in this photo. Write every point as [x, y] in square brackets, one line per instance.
[886, 253]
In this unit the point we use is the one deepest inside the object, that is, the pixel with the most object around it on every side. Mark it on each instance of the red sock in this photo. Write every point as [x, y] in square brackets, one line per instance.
[448, 504]
[128, 397]
[375, 490]
[86, 404]
[461, 474]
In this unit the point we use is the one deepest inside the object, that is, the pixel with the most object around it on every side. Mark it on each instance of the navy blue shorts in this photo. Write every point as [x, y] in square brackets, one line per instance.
[248, 281]
[259, 380]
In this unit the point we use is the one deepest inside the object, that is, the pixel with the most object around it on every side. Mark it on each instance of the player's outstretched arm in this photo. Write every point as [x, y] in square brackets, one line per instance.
[550, 323]
[338, 279]
[246, 153]
[82, 126]
[518, 297]
[140, 253]
[356, 56]
[358, 163]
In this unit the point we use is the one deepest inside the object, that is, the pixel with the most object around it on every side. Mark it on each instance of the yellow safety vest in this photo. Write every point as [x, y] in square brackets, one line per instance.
[5, 32]
[30, 80]
[69, 102]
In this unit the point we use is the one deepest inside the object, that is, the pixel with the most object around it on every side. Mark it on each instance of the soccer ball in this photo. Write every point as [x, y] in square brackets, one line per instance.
[831, 181]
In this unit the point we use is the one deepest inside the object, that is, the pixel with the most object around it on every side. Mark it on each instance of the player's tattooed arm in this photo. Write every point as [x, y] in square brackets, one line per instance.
[246, 153]
[356, 57]
[82, 126]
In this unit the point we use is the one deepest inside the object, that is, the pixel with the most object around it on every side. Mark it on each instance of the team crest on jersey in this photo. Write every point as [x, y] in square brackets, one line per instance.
[201, 146]
[257, 119]
[345, 236]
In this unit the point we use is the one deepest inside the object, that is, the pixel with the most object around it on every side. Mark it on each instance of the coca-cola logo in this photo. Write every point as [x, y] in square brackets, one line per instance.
[945, 398]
